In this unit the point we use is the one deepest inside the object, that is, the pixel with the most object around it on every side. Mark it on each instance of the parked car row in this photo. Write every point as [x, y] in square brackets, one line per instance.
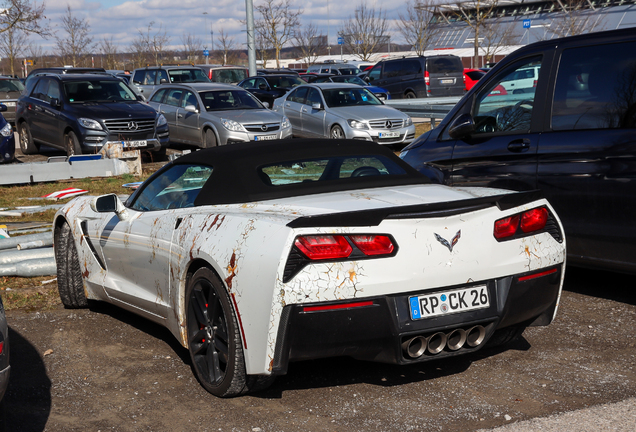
[79, 110]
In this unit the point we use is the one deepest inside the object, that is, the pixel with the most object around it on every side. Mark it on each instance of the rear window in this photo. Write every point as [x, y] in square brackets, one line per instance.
[336, 168]
[187, 76]
[229, 75]
[444, 65]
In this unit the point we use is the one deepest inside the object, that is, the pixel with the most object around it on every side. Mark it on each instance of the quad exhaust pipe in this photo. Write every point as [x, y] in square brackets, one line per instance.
[415, 347]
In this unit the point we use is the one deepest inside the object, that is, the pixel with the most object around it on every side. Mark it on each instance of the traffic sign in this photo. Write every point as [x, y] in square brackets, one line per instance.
[340, 40]
[526, 23]
[206, 53]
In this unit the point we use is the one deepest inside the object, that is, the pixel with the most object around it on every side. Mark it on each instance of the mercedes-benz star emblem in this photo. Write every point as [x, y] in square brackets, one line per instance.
[264, 128]
[133, 125]
[389, 125]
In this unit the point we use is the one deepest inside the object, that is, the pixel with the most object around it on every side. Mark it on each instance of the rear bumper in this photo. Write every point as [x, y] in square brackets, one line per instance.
[377, 331]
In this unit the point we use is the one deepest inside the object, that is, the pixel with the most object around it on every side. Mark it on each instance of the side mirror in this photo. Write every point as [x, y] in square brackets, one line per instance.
[262, 87]
[461, 126]
[3, 107]
[368, 78]
[265, 104]
[139, 98]
[55, 103]
[316, 106]
[163, 81]
[109, 204]
[190, 108]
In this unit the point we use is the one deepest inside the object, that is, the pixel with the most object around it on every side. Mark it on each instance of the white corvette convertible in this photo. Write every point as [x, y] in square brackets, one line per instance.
[256, 255]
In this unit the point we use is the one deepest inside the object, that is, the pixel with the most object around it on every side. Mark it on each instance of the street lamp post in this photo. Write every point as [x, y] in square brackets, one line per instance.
[212, 46]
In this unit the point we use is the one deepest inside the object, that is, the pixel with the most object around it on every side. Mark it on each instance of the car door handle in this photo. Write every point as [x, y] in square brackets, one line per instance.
[519, 145]
[287, 104]
[304, 110]
[180, 116]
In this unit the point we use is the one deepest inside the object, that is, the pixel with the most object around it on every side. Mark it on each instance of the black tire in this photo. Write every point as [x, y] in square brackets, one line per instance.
[214, 340]
[159, 155]
[72, 144]
[409, 95]
[337, 133]
[504, 336]
[27, 146]
[70, 283]
[209, 139]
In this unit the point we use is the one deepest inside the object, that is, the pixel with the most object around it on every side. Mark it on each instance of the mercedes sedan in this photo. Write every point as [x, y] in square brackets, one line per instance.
[344, 111]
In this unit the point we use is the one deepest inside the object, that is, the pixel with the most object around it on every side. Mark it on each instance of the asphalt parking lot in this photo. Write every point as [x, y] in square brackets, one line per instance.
[103, 369]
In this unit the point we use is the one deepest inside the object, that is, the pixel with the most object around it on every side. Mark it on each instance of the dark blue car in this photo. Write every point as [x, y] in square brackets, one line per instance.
[7, 142]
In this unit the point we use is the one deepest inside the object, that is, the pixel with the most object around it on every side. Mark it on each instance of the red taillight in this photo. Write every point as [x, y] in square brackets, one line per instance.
[534, 220]
[506, 227]
[373, 244]
[534, 83]
[528, 221]
[427, 79]
[319, 247]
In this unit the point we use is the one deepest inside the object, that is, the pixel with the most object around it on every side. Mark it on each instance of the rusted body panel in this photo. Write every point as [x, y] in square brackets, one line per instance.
[248, 245]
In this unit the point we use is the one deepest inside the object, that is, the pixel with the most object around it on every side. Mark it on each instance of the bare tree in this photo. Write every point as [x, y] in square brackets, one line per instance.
[25, 16]
[416, 26]
[365, 31]
[191, 46]
[109, 52]
[149, 44]
[277, 24]
[77, 43]
[36, 53]
[496, 36]
[227, 46]
[263, 48]
[475, 13]
[309, 43]
[12, 44]
[575, 18]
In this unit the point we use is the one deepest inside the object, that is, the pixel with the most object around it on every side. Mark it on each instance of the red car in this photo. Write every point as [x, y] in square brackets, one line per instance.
[471, 76]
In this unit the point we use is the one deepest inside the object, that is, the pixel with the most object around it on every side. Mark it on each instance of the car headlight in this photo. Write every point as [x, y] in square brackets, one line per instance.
[232, 125]
[285, 123]
[356, 124]
[161, 120]
[90, 123]
[408, 122]
[6, 131]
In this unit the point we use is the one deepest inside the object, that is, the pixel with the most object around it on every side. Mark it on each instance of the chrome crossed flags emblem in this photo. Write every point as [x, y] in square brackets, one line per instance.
[445, 242]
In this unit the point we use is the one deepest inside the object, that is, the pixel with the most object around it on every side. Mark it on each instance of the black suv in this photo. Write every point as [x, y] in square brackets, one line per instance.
[419, 77]
[81, 113]
[566, 126]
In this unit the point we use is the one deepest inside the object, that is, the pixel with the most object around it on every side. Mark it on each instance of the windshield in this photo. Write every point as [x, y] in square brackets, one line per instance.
[349, 71]
[10, 85]
[285, 81]
[96, 90]
[351, 79]
[229, 100]
[336, 98]
[187, 76]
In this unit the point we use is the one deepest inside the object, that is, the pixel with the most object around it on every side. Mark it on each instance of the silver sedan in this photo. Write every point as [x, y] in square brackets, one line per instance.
[339, 110]
[207, 115]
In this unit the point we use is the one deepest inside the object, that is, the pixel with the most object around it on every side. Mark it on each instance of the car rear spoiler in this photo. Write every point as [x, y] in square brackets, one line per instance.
[375, 216]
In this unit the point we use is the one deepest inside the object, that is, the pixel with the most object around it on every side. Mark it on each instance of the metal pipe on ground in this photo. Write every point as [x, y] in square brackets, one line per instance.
[13, 242]
[11, 257]
[30, 268]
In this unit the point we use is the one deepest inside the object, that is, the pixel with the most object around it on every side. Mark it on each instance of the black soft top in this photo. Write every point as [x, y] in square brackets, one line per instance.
[236, 176]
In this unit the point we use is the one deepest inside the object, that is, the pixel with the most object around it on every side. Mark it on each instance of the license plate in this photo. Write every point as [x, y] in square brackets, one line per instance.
[138, 143]
[265, 137]
[448, 81]
[9, 104]
[449, 302]
[389, 134]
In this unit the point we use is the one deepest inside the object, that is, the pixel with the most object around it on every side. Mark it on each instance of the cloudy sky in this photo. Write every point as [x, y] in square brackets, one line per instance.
[122, 19]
